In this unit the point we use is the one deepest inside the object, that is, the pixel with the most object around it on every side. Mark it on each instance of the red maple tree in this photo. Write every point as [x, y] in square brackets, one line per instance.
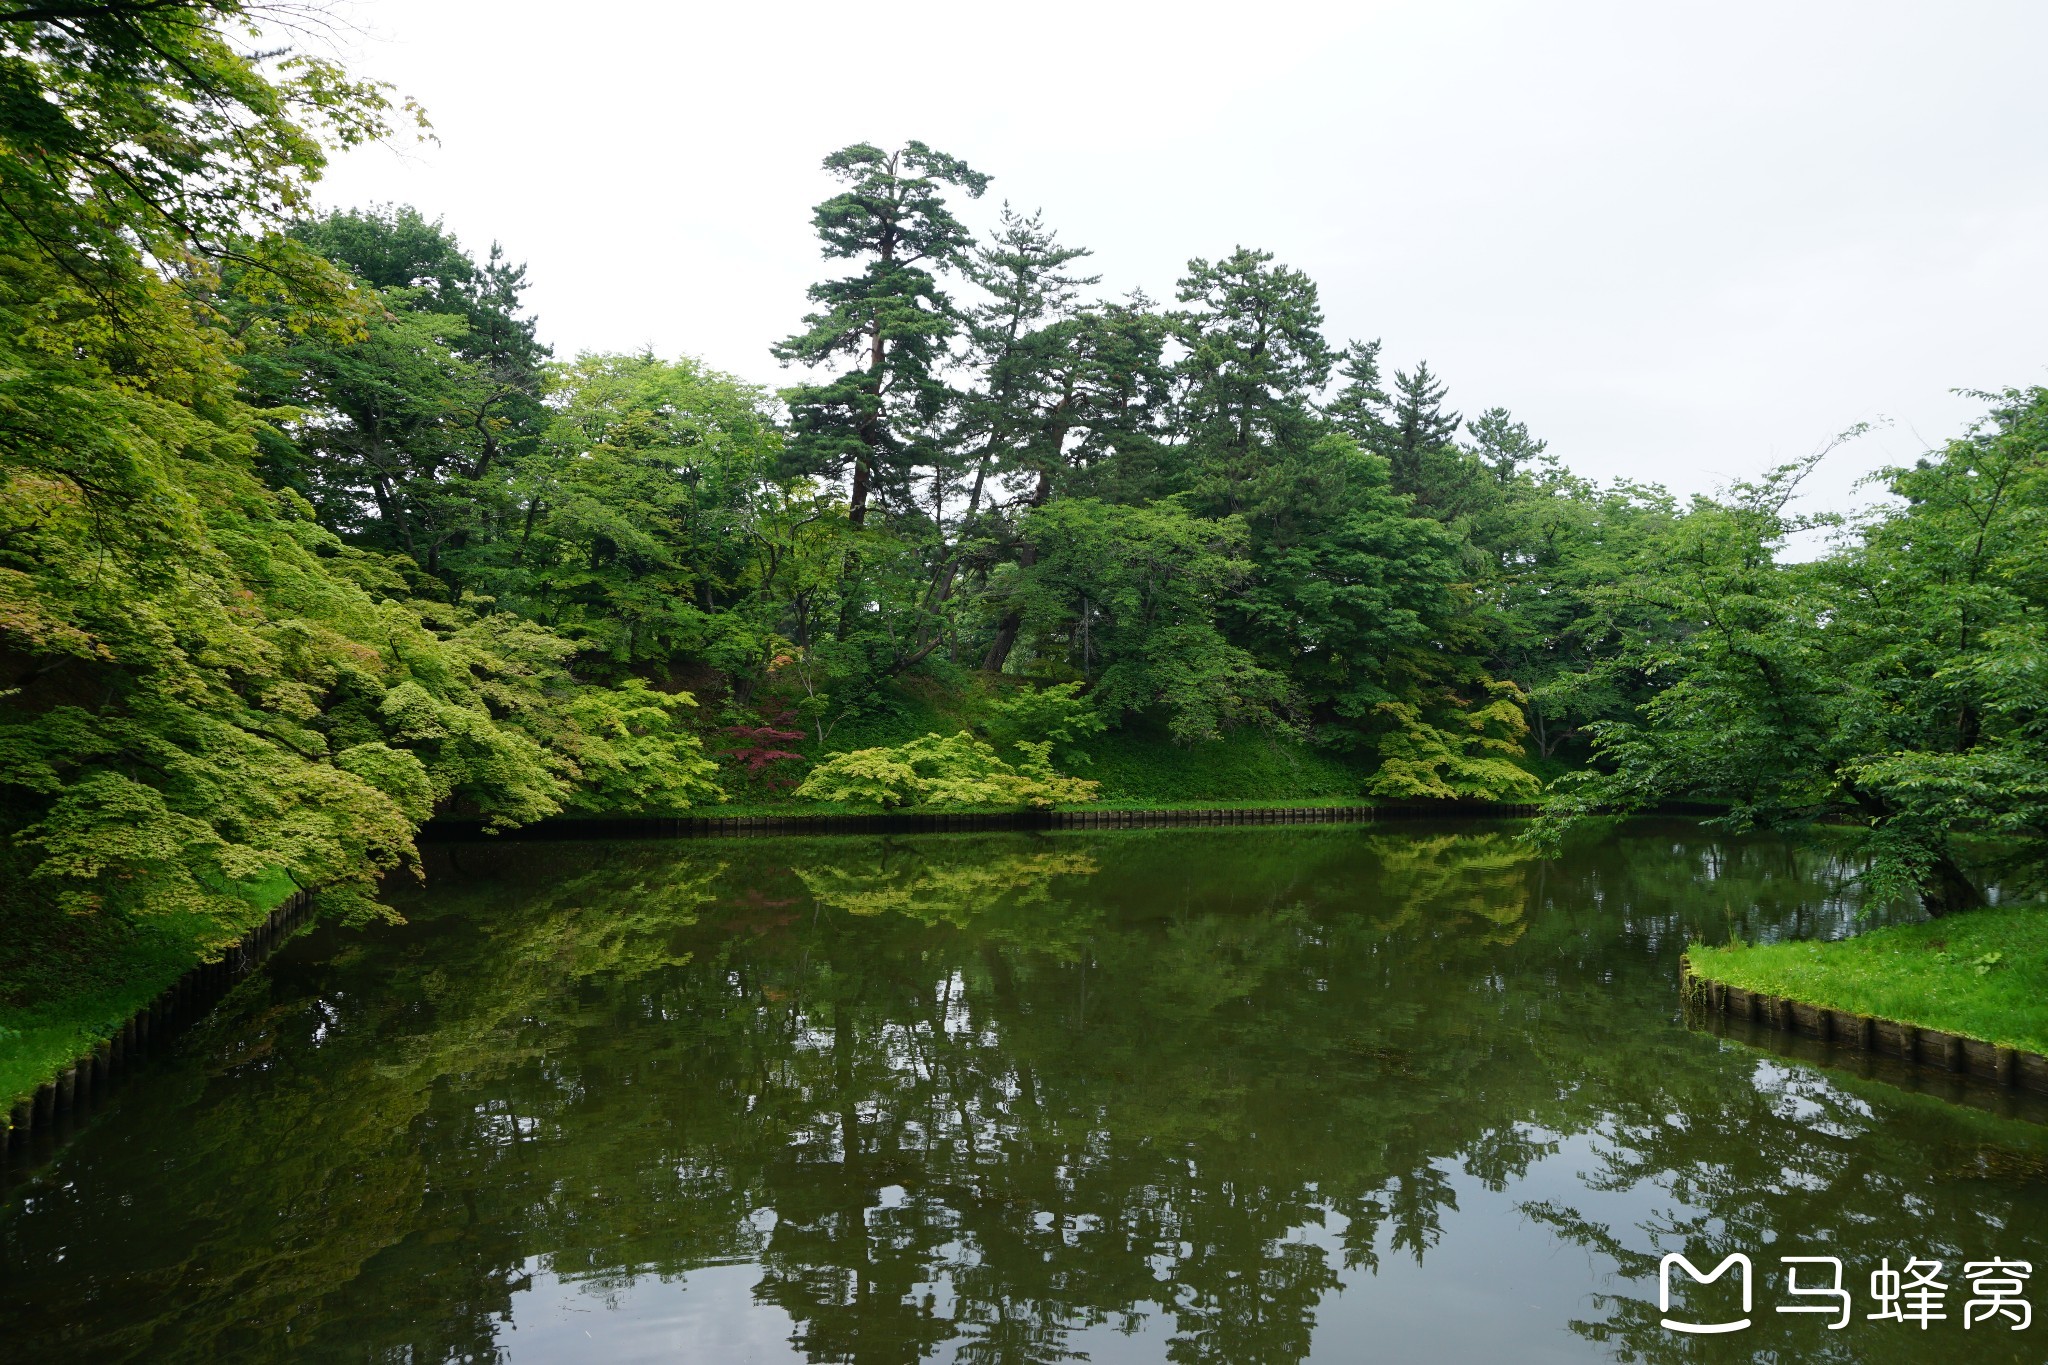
[754, 747]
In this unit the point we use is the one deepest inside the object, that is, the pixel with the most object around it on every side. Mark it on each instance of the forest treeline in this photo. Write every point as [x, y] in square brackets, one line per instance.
[307, 537]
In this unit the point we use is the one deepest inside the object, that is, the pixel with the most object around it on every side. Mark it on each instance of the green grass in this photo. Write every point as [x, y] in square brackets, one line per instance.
[67, 984]
[1269, 803]
[1983, 974]
[1140, 767]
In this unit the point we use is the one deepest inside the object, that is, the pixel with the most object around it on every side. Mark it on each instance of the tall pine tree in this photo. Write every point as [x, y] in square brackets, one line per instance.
[1418, 431]
[889, 322]
[1360, 407]
[1256, 355]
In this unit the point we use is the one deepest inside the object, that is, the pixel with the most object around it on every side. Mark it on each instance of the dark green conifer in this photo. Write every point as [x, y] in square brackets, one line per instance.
[889, 322]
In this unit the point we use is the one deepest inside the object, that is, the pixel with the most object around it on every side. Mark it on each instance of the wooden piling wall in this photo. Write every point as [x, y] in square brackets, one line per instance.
[41, 1121]
[913, 822]
[1927, 1048]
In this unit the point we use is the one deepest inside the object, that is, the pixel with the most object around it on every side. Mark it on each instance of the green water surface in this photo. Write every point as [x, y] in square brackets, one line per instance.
[1376, 1093]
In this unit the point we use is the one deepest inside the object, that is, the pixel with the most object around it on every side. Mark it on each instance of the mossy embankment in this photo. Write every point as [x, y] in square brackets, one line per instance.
[1141, 772]
[1982, 974]
[1136, 766]
[68, 985]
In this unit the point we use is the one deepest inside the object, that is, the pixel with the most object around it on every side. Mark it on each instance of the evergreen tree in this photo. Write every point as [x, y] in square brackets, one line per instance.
[1064, 386]
[876, 421]
[1505, 485]
[1504, 445]
[1094, 429]
[1418, 432]
[1255, 357]
[1023, 272]
[1360, 409]
[1015, 341]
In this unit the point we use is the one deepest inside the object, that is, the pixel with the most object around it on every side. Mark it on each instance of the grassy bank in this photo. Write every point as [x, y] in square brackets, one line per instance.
[1138, 766]
[1983, 974]
[67, 986]
[1242, 769]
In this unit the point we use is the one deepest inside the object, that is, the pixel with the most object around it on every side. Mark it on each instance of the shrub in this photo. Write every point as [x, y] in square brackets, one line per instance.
[944, 772]
[757, 749]
[1456, 753]
[1058, 714]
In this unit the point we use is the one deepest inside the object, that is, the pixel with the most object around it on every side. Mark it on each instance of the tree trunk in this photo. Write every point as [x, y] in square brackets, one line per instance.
[1005, 641]
[871, 432]
[1946, 888]
[857, 500]
[1027, 555]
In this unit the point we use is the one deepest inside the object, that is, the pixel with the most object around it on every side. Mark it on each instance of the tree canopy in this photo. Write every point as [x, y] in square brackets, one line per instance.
[308, 537]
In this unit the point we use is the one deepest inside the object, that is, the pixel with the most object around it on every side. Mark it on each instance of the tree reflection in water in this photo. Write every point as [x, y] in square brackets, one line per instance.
[978, 1098]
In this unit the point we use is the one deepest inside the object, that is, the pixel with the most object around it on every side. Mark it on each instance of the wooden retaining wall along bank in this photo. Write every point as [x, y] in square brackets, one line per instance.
[48, 1114]
[689, 826]
[2013, 1068]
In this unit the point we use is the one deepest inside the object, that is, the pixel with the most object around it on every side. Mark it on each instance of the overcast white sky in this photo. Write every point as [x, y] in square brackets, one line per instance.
[1682, 241]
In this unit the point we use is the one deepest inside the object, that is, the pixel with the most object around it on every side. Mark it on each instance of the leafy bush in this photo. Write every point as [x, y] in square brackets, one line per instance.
[944, 772]
[1058, 715]
[1456, 752]
[757, 749]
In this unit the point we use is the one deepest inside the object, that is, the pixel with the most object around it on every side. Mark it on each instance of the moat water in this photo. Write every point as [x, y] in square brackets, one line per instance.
[1328, 1093]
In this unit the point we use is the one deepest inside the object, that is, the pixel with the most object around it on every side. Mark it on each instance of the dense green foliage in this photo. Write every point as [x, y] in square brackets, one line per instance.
[1980, 975]
[206, 689]
[1895, 682]
[306, 537]
[945, 772]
